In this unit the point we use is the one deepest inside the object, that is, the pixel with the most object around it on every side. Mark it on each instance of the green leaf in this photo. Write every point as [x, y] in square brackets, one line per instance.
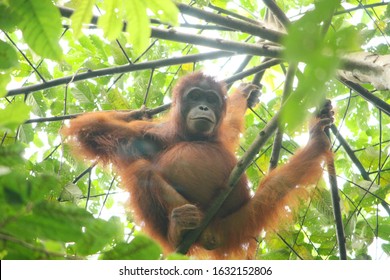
[37, 103]
[8, 20]
[140, 248]
[166, 10]
[306, 43]
[40, 22]
[386, 248]
[111, 22]
[82, 14]
[5, 78]
[13, 115]
[99, 233]
[281, 254]
[117, 100]
[138, 25]
[11, 155]
[322, 201]
[51, 221]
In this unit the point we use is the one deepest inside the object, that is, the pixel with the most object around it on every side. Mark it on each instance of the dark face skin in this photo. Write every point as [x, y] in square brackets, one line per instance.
[202, 111]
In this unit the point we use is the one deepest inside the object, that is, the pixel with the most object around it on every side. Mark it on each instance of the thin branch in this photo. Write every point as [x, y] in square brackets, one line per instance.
[142, 113]
[243, 64]
[334, 190]
[289, 246]
[120, 69]
[360, 7]
[280, 15]
[148, 88]
[106, 197]
[52, 119]
[26, 58]
[235, 24]
[379, 103]
[355, 160]
[279, 133]
[261, 68]
[249, 28]
[89, 188]
[246, 27]
[206, 27]
[86, 171]
[364, 190]
[233, 14]
[218, 43]
[259, 76]
[151, 112]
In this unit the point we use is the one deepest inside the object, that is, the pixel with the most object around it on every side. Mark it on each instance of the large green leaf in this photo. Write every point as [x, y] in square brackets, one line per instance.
[166, 10]
[40, 22]
[138, 25]
[13, 115]
[112, 22]
[82, 14]
[8, 20]
[306, 42]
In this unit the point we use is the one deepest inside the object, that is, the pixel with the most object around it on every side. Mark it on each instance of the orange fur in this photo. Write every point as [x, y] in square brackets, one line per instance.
[165, 173]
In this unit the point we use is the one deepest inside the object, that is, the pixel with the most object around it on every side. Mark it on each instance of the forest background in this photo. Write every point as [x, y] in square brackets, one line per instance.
[61, 58]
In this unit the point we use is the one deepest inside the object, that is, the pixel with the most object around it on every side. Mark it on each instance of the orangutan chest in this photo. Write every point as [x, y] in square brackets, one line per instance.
[195, 170]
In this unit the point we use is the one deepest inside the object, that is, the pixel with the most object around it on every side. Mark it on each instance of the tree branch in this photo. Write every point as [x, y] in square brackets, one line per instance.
[246, 27]
[151, 112]
[232, 14]
[120, 69]
[360, 7]
[334, 191]
[261, 68]
[355, 161]
[280, 15]
[288, 84]
[254, 28]
[218, 43]
[379, 103]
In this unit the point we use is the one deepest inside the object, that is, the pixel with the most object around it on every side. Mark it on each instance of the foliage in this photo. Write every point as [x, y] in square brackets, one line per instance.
[53, 206]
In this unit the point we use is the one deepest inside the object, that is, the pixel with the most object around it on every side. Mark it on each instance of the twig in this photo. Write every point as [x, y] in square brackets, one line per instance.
[148, 88]
[26, 58]
[261, 68]
[232, 14]
[359, 7]
[235, 24]
[379, 103]
[279, 133]
[280, 15]
[246, 27]
[355, 161]
[336, 204]
[162, 108]
[218, 43]
[120, 69]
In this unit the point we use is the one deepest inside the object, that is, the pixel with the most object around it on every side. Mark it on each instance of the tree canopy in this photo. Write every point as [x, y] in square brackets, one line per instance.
[61, 58]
